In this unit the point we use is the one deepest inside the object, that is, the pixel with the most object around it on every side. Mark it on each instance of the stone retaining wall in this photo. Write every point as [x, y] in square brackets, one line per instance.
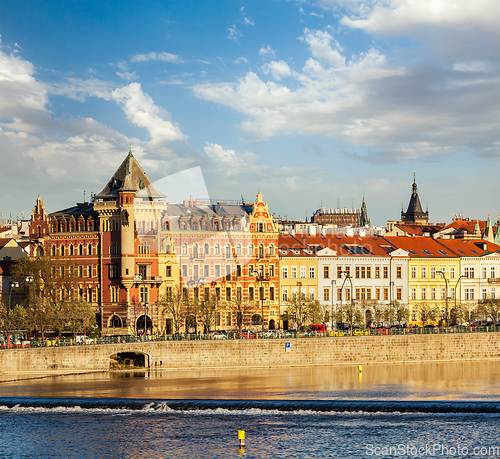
[260, 353]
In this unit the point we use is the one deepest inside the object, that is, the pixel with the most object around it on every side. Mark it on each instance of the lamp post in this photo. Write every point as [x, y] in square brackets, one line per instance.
[12, 285]
[31, 280]
[260, 278]
[140, 277]
[446, 298]
[456, 285]
[334, 282]
[197, 281]
[347, 276]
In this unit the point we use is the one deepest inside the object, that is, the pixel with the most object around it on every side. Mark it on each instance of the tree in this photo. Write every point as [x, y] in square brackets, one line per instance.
[489, 309]
[14, 318]
[49, 284]
[243, 310]
[78, 316]
[208, 308]
[428, 313]
[301, 307]
[172, 305]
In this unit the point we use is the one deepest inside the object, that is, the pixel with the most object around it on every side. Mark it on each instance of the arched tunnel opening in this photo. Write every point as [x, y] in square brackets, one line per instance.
[129, 360]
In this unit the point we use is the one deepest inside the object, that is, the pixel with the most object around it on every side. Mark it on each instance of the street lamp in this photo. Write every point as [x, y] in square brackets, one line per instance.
[12, 285]
[30, 279]
[334, 282]
[347, 276]
[139, 277]
[446, 297]
[197, 281]
[456, 285]
[260, 277]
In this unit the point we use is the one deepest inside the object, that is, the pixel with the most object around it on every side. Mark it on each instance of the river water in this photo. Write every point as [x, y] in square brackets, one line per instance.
[399, 410]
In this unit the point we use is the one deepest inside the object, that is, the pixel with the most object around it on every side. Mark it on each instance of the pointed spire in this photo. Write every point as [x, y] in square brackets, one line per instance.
[414, 214]
[489, 231]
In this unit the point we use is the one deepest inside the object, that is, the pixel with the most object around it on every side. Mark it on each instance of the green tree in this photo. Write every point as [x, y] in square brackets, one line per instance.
[243, 310]
[77, 317]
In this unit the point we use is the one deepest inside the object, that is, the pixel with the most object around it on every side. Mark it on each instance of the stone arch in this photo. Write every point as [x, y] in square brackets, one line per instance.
[129, 358]
[140, 325]
[256, 319]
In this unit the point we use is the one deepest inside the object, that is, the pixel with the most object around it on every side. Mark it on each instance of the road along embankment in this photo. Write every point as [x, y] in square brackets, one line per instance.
[257, 353]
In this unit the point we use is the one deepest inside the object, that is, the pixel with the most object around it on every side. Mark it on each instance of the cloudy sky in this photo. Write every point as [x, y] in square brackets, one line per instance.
[310, 102]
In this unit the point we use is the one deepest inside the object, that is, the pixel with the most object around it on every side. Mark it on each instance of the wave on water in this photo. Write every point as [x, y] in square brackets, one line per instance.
[244, 407]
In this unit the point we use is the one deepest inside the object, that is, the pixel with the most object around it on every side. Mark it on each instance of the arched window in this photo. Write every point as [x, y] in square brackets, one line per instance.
[195, 250]
[237, 226]
[91, 226]
[207, 249]
[216, 226]
[238, 249]
[72, 227]
[271, 249]
[62, 251]
[166, 226]
[71, 250]
[63, 227]
[195, 226]
[89, 249]
[205, 226]
[217, 249]
[80, 226]
[183, 226]
[250, 250]
[228, 250]
[115, 322]
[53, 250]
[261, 251]
[227, 226]
[80, 249]
[184, 249]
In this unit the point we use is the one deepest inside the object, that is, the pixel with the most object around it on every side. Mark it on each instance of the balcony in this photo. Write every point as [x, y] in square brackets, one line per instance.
[493, 280]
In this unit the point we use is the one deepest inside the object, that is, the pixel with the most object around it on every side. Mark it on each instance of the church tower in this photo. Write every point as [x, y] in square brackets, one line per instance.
[414, 215]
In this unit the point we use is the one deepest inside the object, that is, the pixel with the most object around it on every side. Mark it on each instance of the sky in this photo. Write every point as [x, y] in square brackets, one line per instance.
[312, 103]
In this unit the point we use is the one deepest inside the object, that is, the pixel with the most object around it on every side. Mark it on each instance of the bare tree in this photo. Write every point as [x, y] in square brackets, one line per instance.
[173, 305]
[208, 307]
[49, 286]
[301, 308]
[243, 310]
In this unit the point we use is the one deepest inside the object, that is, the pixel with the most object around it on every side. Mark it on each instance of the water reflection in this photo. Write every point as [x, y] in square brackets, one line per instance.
[411, 381]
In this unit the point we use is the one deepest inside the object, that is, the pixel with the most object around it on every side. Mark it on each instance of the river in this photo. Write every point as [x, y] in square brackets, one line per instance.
[445, 409]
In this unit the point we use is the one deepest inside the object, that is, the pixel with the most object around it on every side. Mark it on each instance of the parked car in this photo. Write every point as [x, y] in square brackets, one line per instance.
[82, 339]
[320, 328]
[248, 334]
[219, 335]
[339, 333]
[357, 331]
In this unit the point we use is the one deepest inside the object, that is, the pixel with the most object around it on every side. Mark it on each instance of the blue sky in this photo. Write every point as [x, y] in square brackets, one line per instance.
[310, 102]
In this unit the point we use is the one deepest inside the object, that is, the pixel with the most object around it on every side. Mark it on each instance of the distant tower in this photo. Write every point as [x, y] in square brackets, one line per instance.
[414, 215]
[363, 219]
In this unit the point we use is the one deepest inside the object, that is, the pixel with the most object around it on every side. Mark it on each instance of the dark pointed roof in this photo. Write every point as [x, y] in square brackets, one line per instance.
[414, 210]
[129, 177]
[363, 219]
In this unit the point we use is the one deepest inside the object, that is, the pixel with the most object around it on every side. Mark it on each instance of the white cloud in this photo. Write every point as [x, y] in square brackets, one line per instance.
[241, 60]
[233, 34]
[23, 100]
[141, 110]
[232, 164]
[267, 52]
[165, 57]
[402, 111]
[324, 47]
[403, 16]
[278, 69]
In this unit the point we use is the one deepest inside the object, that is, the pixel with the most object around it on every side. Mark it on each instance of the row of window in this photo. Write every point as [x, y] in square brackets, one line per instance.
[72, 271]
[231, 293]
[63, 226]
[227, 271]
[70, 251]
[304, 272]
[362, 272]
[229, 251]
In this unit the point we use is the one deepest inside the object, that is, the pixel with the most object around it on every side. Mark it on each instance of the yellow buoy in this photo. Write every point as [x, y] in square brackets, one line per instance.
[241, 438]
[360, 368]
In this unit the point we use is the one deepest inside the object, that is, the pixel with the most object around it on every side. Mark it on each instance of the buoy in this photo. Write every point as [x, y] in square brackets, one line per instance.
[360, 368]
[241, 438]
